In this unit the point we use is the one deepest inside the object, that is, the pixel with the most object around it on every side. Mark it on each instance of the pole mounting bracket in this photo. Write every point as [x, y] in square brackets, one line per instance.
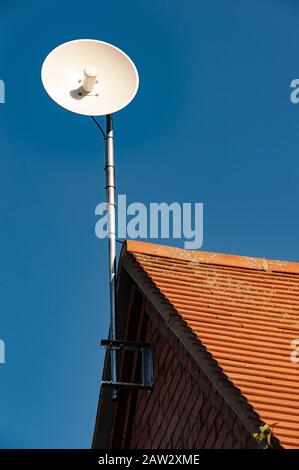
[146, 351]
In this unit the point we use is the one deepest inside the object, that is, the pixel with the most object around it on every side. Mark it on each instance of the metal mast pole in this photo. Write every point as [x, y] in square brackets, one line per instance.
[111, 206]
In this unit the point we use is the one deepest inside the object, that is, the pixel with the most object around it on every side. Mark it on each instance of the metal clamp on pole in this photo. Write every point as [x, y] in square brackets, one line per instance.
[146, 375]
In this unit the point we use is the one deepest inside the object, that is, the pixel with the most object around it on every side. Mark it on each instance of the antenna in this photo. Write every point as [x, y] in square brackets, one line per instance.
[94, 78]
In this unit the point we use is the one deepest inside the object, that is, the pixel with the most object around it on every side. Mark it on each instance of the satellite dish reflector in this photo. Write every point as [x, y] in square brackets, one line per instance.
[90, 77]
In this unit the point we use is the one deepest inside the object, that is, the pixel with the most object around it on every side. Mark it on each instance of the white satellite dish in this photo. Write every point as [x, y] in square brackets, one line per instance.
[94, 78]
[90, 77]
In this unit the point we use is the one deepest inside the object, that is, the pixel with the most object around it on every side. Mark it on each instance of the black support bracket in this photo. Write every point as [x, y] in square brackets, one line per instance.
[147, 376]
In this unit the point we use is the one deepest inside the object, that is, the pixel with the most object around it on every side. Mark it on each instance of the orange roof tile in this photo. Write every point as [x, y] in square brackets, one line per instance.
[245, 311]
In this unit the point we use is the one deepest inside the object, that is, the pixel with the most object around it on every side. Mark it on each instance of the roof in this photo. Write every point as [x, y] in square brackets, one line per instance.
[245, 312]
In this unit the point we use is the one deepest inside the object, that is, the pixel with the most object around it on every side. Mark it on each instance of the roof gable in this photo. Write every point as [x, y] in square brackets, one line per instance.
[245, 312]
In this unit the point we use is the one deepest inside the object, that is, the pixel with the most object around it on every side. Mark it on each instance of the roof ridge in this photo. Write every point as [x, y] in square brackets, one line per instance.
[206, 257]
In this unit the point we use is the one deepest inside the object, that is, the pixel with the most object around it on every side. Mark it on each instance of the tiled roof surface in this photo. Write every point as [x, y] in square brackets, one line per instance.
[245, 311]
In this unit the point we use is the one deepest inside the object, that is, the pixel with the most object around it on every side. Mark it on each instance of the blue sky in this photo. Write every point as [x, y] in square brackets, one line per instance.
[212, 123]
